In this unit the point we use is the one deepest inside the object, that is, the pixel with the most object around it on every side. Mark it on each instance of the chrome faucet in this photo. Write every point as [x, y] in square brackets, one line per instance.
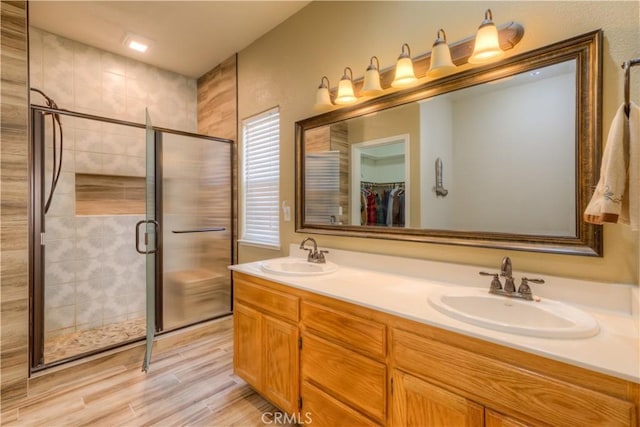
[505, 271]
[524, 288]
[314, 255]
[524, 291]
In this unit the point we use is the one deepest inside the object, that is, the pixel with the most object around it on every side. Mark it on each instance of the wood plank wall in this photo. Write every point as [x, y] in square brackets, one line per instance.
[218, 116]
[217, 101]
[14, 190]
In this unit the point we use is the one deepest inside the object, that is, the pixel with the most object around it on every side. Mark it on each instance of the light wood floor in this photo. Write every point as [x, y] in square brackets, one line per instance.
[193, 385]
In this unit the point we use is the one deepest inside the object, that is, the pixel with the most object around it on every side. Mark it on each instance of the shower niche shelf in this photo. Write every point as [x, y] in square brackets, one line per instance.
[109, 194]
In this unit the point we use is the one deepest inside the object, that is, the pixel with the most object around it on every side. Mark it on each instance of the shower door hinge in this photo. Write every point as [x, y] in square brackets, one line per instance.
[42, 239]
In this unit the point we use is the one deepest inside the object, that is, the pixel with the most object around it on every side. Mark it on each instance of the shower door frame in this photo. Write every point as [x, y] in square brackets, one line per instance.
[37, 116]
[159, 301]
[36, 247]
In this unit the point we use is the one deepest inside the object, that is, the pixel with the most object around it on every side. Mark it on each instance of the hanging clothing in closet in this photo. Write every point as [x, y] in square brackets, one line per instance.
[382, 204]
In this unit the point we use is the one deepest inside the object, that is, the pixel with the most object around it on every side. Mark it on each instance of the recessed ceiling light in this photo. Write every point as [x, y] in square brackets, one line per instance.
[136, 42]
[140, 47]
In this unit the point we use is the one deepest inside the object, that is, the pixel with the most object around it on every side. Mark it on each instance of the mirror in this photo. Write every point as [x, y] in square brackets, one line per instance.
[502, 156]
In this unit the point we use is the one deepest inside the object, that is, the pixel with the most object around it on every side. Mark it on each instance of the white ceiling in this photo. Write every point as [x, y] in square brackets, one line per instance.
[189, 37]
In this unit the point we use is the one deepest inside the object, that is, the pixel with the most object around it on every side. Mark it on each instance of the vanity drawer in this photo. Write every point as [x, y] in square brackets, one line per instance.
[268, 300]
[359, 334]
[347, 376]
[508, 388]
[324, 410]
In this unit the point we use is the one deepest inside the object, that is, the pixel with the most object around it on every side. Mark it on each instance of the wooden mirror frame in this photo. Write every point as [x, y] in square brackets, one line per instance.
[586, 50]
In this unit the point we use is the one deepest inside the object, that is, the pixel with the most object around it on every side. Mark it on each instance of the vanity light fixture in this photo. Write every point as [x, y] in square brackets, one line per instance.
[371, 86]
[346, 94]
[405, 75]
[323, 98]
[487, 45]
[441, 63]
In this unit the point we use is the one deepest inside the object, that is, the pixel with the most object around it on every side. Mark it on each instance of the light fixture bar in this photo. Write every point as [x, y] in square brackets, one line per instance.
[509, 34]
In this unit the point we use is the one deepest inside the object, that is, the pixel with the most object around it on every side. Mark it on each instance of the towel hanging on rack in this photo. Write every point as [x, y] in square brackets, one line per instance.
[634, 166]
[616, 196]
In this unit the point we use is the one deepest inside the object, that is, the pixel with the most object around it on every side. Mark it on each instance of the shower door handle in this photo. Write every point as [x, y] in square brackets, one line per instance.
[156, 226]
[198, 230]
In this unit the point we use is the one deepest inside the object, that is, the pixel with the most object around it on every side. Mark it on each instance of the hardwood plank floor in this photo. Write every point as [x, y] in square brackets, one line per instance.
[193, 385]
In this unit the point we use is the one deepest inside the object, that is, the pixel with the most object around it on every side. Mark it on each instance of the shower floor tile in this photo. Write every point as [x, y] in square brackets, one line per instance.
[68, 345]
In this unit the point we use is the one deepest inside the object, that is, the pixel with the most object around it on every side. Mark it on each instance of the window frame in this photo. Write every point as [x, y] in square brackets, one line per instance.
[251, 240]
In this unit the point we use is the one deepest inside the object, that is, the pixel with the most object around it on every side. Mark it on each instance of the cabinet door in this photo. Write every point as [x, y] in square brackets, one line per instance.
[418, 403]
[496, 419]
[247, 344]
[280, 363]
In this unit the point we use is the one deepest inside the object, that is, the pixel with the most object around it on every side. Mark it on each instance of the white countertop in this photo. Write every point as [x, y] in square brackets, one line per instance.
[400, 286]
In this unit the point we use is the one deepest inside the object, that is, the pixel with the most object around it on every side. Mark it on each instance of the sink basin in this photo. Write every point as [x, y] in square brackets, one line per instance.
[544, 319]
[297, 267]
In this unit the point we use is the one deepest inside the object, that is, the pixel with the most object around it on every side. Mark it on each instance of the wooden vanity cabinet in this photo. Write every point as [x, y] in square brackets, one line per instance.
[247, 344]
[343, 357]
[416, 402]
[358, 366]
[266, 340]
[326, 410]
[536, 393]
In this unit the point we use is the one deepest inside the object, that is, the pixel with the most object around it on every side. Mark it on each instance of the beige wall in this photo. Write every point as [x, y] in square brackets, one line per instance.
[540, 180]
[284, 68]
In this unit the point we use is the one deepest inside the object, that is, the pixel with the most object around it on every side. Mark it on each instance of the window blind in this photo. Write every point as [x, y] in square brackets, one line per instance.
[261, 179]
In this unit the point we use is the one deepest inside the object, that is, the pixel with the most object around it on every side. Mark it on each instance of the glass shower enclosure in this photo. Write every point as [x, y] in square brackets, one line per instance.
[138, 230]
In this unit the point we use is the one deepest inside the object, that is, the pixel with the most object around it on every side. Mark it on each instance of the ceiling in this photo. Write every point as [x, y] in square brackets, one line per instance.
[188, 37]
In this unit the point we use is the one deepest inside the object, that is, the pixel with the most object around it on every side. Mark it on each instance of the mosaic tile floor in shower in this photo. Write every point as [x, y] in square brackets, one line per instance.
[64, 346]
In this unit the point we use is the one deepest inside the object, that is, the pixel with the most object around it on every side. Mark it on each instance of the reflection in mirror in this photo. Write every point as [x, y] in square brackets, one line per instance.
[507, 150]
[326, 175]
[379, 181]
[504, 156]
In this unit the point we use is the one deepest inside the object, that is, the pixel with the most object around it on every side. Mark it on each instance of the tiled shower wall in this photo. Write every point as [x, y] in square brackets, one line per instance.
[82, 78]
[93, 275]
